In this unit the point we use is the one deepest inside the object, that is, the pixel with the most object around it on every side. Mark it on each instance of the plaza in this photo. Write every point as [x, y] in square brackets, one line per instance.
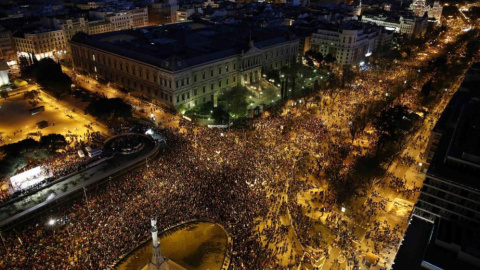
[18, 123]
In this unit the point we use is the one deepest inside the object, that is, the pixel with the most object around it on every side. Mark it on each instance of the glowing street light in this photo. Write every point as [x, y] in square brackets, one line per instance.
[51, 222]
[343, 209]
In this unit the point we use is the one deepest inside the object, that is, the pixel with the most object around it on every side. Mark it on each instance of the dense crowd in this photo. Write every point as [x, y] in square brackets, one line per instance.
[205, 173]
[59, 163]
[245, 178]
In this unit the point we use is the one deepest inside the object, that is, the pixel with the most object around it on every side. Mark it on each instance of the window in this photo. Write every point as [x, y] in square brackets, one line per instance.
[176, 84]
[233, 78]
[194, 77]
[211, 72]
[194, 92]
[183, 82]
[234, 66]
[226, 68]
[204, 89]
[219, 83]
[203, 76]
[188, 94]
[183, 97]
[219, 70]
[178, 98]
[211, 86]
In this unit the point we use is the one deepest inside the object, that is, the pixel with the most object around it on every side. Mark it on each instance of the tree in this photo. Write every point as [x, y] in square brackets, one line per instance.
[427, 88]
[21, 146]
[33, 94]
[49, 74]
[330, 59]
[312, 56]
[348, 75]
[292, 73]
[392, 123]
[220, 116]
[110, 107]
[4, 93]
[235, 100]
[53, 141]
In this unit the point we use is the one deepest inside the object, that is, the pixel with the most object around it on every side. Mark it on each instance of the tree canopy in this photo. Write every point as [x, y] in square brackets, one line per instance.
[235, 100]
[109, 107]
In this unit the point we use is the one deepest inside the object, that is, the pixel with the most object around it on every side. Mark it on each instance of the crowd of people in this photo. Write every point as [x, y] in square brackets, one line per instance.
[248, 179]
[59, 163]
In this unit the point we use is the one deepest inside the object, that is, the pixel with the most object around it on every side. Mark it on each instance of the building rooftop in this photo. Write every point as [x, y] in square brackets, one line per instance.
[349, 26]
[33, 31]
[448, 239]
[178, 46]
[410, 254]
[457, 157]
[389, 16]
[437, 245]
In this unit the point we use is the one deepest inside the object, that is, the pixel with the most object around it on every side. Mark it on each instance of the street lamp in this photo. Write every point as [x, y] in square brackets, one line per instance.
[343, 209]
[51, 222]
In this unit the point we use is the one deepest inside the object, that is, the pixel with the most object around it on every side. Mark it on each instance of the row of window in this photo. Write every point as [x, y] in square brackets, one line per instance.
[182, 96]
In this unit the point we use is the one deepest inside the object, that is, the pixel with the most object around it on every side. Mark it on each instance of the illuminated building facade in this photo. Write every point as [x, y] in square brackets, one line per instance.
[41, 43]
[349, 42]
[183, 64]
[411, 26]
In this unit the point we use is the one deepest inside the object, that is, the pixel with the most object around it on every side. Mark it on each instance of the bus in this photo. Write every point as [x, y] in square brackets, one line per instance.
[37, 110]
[94, 153]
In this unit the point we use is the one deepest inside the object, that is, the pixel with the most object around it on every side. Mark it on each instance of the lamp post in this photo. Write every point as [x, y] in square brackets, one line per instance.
[3, 241]
[51, 223]
[86, 198]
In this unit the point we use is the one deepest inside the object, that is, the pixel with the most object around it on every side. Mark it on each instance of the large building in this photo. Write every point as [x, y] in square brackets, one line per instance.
[72, 26]
[91, 5]
[164, 12]
[349, 42]
[99, 27]
[444, 232]
[420, 7]
[7, 48]
[406, 24]
[41, 43]
[451, 189]
[122, 19]
[183, 64]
